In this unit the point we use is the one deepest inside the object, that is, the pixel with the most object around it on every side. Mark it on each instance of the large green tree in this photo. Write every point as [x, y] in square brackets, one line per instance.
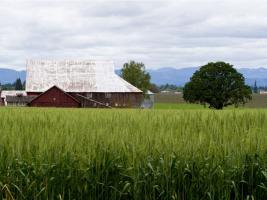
[218, 85]
[135, 73]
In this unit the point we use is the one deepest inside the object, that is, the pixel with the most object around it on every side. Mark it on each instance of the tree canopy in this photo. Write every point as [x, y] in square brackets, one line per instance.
[135, 73]
[218, 85]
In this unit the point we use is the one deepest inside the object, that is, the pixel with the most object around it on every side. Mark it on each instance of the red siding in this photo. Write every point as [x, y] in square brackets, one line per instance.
[54, 97]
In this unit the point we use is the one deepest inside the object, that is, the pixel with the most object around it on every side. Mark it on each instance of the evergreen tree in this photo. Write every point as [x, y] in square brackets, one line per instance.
[18, 84]
[255, 88]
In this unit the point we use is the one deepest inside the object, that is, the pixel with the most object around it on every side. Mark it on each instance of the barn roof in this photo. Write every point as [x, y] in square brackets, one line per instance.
[5, 93]
[75, 76]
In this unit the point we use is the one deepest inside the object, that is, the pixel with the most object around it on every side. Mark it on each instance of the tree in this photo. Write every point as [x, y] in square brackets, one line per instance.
[153, 88]
[218, 85]
[18, 84]
[255, 88]
[135, 73]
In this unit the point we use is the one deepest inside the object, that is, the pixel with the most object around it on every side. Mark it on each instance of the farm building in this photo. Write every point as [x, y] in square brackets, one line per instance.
[1, 99]
[78, 84]
[149, 100]
[14, 97]
[18, 100]
[263, 92]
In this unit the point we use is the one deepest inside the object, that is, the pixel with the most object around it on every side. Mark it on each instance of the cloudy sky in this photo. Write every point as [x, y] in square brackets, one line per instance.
[181, 33]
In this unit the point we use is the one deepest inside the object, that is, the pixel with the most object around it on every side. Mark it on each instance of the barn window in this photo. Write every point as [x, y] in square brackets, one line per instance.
[108, 95]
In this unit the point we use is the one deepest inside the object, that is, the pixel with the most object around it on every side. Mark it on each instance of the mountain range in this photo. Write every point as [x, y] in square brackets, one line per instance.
[10, 75]
[180, 76]
[159, 76]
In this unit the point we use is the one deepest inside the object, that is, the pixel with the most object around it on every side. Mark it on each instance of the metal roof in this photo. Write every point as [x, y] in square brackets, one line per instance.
[149, 92]
[5, 93]
[75, 76]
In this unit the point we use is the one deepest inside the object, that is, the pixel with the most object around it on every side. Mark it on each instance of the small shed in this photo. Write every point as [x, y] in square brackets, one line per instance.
[263, 92]
[15, 93]
[148, 100]
[1, 100]
[18, 100]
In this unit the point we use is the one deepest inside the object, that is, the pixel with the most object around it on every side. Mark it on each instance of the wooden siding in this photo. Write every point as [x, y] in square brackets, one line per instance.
[94, 100]
[2, 102]
[54, 97]
[114, 100]
[18, 100]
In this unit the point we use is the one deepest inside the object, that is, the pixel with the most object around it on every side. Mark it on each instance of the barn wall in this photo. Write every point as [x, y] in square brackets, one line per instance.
[54, 98]
[2, 102]
[120, 100]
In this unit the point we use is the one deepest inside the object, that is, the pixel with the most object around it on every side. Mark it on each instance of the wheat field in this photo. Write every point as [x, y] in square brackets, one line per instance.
[133, 154]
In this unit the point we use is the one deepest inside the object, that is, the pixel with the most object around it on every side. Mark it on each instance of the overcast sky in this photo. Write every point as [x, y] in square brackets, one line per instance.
[181, 33]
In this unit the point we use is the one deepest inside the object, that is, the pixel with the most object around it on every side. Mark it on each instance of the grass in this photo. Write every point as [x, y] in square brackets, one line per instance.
[133, 154]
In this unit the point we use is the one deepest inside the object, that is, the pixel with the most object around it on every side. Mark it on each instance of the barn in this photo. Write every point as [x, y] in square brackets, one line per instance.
[75, 83]
[14, 98]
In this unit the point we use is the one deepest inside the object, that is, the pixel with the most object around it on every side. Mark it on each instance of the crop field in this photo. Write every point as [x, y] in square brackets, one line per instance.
[133, 154]
[166, 99]
[178, 106]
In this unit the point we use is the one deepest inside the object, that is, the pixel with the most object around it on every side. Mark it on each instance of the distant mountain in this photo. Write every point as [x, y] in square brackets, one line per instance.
[259, 75]
[171, 75]
[159, 76]
[10, 75]
[180, 76]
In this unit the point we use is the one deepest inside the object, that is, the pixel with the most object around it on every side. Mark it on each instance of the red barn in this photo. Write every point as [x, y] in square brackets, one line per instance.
[55, 97]
[79, 84]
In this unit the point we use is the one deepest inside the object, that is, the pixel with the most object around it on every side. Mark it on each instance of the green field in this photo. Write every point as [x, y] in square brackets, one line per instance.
[179, 106]
[133, 154]
[258, 101]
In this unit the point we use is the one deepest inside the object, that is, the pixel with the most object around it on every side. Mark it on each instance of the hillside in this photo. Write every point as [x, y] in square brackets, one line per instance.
[180, 76]
[10, 75]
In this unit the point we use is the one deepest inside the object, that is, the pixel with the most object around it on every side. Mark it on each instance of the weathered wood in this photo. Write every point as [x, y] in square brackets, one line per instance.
[98, 100]
[2, 101]
[115, 100]
[93, 101]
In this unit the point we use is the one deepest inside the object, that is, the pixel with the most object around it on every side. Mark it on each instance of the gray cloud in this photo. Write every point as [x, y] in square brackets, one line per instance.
[181, 33]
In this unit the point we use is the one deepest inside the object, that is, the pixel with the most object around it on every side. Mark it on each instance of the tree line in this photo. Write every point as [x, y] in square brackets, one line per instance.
[216, 84]
[17, 85]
